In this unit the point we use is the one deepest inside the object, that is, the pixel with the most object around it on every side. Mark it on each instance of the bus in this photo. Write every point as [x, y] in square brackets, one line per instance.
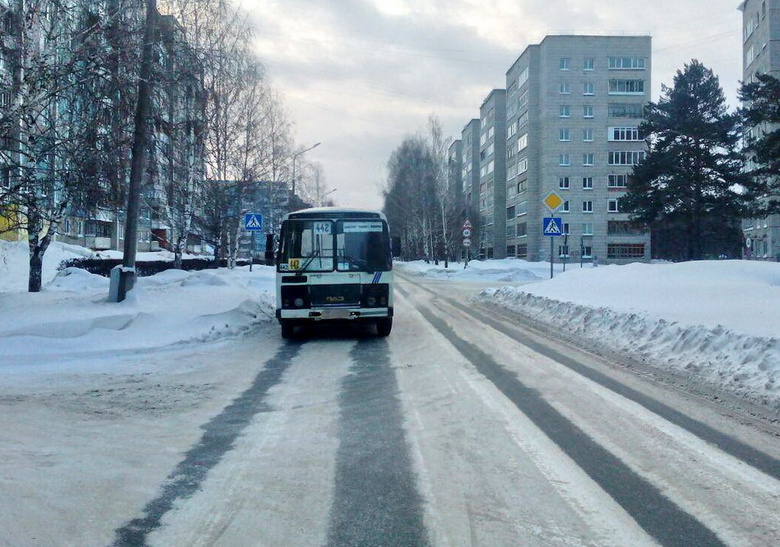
[334, 264]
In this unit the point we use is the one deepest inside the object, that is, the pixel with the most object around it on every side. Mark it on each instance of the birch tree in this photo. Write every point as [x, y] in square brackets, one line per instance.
[50, 135]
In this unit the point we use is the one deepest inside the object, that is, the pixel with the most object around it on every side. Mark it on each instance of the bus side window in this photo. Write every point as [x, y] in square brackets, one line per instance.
[376, 253]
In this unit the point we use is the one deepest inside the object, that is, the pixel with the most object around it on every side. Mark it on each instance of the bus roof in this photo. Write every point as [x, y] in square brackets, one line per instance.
[334, 213]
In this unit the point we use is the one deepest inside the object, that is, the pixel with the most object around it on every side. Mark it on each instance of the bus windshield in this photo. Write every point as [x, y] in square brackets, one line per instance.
[343, 245]
[362, 245]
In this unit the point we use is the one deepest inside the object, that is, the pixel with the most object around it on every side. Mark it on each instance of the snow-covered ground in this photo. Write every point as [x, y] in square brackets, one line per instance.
[714, 322]
[71, 315]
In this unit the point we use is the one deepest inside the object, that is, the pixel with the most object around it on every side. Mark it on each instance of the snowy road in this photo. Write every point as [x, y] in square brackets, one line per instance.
[458, 429]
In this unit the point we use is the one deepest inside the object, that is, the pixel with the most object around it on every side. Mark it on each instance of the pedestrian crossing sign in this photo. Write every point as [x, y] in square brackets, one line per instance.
[552, 226]
[253, 222]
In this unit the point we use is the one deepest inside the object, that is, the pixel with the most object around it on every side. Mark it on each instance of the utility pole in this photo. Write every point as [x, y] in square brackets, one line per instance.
[294, 157]
[123, 277]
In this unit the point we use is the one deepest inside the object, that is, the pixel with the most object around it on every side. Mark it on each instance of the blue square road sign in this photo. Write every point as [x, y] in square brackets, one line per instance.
[253, 222]
[552, 226]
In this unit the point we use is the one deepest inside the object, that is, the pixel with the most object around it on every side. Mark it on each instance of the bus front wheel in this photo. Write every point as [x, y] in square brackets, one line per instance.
[288, 329]
[384, 326]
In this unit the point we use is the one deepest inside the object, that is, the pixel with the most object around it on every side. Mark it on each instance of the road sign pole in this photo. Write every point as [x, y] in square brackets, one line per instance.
[252, 251]
[552, 248]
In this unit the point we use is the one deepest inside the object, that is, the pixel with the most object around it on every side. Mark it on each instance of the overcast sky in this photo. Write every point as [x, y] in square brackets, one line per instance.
[360, 75]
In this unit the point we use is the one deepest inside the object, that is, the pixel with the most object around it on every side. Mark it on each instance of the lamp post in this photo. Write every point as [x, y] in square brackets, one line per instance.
[295, 157]
[322, 197]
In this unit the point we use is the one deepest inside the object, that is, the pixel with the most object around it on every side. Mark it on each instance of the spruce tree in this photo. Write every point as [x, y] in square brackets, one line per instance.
[692, 176]
[761, 116]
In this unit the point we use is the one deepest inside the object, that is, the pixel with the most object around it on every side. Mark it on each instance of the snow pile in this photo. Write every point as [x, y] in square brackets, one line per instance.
[15, 256]
[71, 316]
[714, 322]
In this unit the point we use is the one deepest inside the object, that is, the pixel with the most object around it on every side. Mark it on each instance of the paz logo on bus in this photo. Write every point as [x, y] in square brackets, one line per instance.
[552, 201]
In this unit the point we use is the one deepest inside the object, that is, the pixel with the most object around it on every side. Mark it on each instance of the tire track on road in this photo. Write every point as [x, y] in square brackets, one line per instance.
[219, 436]
[660, 517]
[376, 500]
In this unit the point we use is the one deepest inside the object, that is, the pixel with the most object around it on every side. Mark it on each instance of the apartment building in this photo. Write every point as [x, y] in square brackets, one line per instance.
[573, 108]
[97, 111]
[6, 98]
[470, 147]
[761, 55]
[492, 175]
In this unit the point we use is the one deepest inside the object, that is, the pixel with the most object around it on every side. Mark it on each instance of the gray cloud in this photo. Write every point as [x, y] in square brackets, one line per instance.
[359, 79]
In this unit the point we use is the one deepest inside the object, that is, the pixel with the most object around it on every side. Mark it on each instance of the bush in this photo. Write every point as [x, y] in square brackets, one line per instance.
[103, 266]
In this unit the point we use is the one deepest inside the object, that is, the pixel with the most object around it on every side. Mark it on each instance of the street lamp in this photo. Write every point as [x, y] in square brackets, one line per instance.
[295, 156]
[322, 197]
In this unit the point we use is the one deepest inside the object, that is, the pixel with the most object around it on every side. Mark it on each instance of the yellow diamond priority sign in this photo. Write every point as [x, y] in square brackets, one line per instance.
[552, 201]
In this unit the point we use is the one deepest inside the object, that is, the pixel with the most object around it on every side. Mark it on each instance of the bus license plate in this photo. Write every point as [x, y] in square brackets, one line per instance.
[336, 314]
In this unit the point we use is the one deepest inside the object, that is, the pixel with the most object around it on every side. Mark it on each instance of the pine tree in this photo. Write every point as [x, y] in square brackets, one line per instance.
[761, 117]
[692, 176]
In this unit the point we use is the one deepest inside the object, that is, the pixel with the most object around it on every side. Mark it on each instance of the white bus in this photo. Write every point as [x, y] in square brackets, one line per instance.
[334, 264]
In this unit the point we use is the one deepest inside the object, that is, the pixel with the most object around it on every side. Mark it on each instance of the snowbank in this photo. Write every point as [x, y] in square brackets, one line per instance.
[714, 322]
[71, 316]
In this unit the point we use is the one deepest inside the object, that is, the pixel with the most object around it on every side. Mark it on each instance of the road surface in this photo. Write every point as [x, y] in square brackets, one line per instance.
[462, 427]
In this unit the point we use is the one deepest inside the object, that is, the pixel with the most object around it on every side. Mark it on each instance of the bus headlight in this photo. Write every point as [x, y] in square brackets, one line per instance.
[295, 296]
[375, 295]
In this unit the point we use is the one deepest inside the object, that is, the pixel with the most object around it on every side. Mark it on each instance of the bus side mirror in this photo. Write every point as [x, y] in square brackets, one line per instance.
[269, 249]
[396, 246]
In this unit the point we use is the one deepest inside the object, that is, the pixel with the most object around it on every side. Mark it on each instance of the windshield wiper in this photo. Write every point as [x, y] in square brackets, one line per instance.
[309, 260]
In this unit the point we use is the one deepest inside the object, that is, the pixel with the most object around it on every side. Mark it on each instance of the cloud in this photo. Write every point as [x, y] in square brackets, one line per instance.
[359, 75]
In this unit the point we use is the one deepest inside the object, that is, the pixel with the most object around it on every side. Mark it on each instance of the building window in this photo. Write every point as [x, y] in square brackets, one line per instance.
[522, 100]
[522, 78]
[587, 111]
[563, 159]
[626, 87]
[565, 228]
[617, 181]
[587, 206]
[589, 64]
[625, 250]
[587, 228]
[564, 111]
[587, 251]
[522, 229]
[587, 159]
[627, 63]
[565, 207]
[522, 166]
[563, 251]
[522, 119]
[612, 206]
[5, 99]
[625, 110]
[624, 228]
[564, 89]
[587, 135]
[587, 88]
[587, 183]
[522, 142]
[522, 208]
[623, 134]
[563, 183]
[5, 177]
[522, 250]
[565, 63]
[563, 134]
[510, 212]
[626, 157]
